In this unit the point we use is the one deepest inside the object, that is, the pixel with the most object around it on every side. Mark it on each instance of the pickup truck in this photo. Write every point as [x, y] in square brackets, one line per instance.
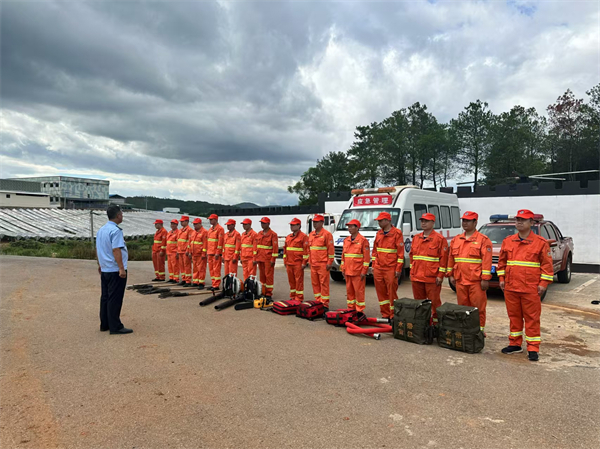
[502, 226]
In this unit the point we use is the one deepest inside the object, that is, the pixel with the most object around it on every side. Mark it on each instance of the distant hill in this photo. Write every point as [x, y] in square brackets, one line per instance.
[199, 208]
[247, 205]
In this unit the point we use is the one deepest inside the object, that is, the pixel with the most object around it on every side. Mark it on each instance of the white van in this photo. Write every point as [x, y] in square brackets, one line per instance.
[405, 204]
[330, 221]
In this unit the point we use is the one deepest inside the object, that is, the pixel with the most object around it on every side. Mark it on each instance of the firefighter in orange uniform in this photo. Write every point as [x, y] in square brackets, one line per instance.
[525, 270]
[197, 253]
[266, 250]
[172, 252]
[470, 266]
[232, 246]
[388, 259]
[355, 265]
[215, 250]
[158, 251]
[247, 249]
[321, 255]
[428, 262]
[295, 254]
[183, 240]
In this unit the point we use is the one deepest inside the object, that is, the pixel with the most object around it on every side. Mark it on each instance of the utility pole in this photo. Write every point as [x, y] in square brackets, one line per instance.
[92, 228]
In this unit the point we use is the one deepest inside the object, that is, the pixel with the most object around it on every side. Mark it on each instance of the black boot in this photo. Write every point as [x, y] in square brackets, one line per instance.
[200, 286]
[533, 356]
[181, 283]
[512, 350]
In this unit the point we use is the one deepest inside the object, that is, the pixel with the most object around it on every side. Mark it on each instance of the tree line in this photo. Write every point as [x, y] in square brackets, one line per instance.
[412, 147]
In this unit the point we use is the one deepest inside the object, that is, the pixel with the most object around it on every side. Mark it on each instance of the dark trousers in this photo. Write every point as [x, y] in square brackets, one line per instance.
[111, 301]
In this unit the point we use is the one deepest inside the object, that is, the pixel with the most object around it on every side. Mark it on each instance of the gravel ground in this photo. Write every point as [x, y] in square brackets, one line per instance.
[193, 377]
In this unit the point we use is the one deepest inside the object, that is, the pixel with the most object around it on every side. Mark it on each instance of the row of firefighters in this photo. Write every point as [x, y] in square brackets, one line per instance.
[524, 268]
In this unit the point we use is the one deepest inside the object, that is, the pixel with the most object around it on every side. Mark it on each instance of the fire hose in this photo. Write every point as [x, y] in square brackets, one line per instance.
[379, 326]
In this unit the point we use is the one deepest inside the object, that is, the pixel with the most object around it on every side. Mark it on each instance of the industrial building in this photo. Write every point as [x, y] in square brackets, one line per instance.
[70, 192]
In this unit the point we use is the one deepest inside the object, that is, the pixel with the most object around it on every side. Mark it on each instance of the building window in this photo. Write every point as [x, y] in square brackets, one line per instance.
[8, 195]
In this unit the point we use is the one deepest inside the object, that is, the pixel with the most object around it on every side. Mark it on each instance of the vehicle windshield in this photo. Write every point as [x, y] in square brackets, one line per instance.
[366, 217]
[497, 233]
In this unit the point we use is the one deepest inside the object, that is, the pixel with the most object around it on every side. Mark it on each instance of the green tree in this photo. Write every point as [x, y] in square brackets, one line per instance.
[472, 133]
[365, 155]
[394, 132]
[331, 174]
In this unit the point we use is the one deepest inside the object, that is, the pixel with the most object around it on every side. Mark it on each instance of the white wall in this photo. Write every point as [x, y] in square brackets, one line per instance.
[577, 216]
[24, 199]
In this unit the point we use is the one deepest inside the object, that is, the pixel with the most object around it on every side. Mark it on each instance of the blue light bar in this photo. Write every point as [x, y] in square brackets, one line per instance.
[498, 217]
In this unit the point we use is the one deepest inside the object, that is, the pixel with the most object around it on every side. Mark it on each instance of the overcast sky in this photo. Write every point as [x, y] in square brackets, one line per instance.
[233, 101]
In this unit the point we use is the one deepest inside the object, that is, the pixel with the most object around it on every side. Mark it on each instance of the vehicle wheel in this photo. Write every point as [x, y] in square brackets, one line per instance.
[543, 295]
[337, 276]
[453, 287]
[564, 276]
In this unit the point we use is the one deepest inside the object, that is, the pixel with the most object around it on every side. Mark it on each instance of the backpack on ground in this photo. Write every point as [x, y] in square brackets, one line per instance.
[340, 317]
[289, 307]
[459, 328]
[252, 288]
[231, 285]
[412, 321]
[311, 310]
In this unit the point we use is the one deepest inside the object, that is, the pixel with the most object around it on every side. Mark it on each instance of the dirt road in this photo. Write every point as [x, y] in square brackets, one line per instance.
[193, 377]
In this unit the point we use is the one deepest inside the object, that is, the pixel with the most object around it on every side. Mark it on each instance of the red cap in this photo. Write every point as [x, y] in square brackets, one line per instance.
[158, 221]
[197, 221]
[524, 213]
[318, 218]
[384, 216]
[247, 221]
[213, 217]
[428, 217]
[265, 220]
[468, 215]
[354, 222]
[184, 218]
[174, 220]
[230, 222]
[295, 221]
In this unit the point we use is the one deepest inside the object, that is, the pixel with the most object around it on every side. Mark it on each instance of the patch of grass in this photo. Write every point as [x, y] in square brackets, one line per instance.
[138, 249]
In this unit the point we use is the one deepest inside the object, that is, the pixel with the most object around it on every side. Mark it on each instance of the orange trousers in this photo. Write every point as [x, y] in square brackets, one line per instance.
[524, 307]
[185, 264]
[355, 293]
[319, 277]
[199, 264]
[159, 265]
[296, 279]
[214, 267]
[231, 267]
[386, 286]
[173, 267]
[248, 268]
[267, 274]
[473, 296]
[422, 290]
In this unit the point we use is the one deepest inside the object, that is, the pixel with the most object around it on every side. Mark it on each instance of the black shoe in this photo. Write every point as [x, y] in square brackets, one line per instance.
[187, 284]
[195, 285]
[156, 280]
[512, 350]
[182, 283]
[171, 281]
[123, 330]
[200, 286]
[533, 356]
[104, 329]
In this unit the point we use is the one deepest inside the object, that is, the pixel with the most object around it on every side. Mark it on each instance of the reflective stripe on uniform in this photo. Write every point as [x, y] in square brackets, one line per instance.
[365, 264]
[325, 297]
[198, 243]
[299, 292]
[533, 338]
[360, 304]
[400, 261]
[268, 286]
[294, 248]
[522, 263]
[427, 259]
[381, 303]
[227, 245]
[318, 248]
[547, 277]
[486, 272]
[264, 247]
[157, 241]
[353, 255]
[350, 301]
[466, 260]
[501, 272]
[213, 240]
[245, 245]
[317, 294]
[274, 254]
[387, 250]
[182, 240]
[172, 241]
[516, 334]
[443, 270]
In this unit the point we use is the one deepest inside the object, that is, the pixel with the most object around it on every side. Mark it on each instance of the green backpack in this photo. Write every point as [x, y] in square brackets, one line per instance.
[459, 328]
[412, 321]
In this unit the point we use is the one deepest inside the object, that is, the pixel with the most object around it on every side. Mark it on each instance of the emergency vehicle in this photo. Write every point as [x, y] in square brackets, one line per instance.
[406, 204]
[502, 226]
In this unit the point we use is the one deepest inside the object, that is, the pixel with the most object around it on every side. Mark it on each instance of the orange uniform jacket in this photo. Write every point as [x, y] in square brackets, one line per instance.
[215, 240]
[198, 241]
[295, 251]
[470, 259]
[247, 245]
[183, 239]
[266, 248]
[160, 240]
[233, 245]
[388, 250]
[428, 257]
[321, 248]
[525, 264]
[172, 237]
[355, 256]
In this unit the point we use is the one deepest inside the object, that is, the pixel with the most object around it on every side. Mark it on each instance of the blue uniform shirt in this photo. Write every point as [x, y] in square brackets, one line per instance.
[109, 237]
